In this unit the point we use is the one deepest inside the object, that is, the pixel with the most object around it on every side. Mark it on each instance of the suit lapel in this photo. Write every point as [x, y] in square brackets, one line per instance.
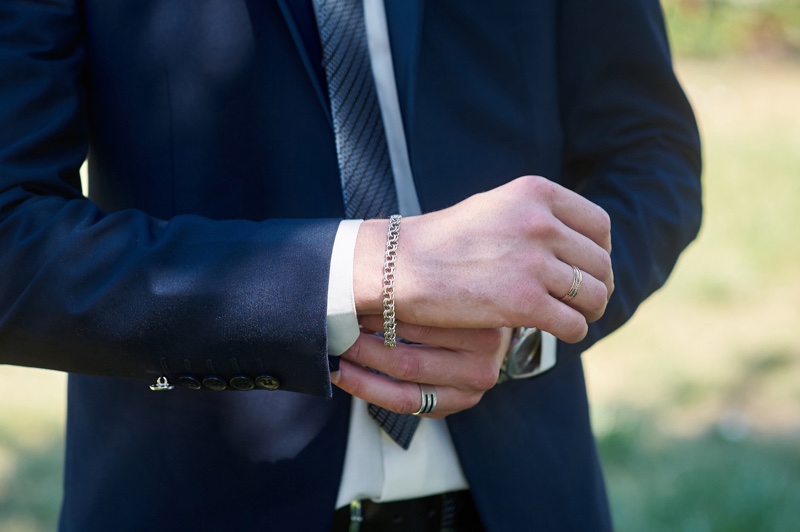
[404, 18]
[305, 57]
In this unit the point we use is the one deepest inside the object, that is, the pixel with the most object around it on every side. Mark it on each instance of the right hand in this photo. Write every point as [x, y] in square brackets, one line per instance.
[497, 259]
[462, 364]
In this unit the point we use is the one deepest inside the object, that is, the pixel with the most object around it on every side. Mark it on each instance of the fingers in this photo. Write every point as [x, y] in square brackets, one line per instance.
[503, 258]
[461, 375]
[561, 320]
[581, 215]
[399, 396]
[486, 340]
[552, 280]
[583, 241]
[586, 237]
[592, 295]
[567, 319]
[578, 250]
[464, 369]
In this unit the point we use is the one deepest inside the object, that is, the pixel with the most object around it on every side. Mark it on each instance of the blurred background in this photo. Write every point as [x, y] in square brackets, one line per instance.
[696, 402]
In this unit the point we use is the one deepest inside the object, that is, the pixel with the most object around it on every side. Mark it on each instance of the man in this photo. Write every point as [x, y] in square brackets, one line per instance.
[202, 260]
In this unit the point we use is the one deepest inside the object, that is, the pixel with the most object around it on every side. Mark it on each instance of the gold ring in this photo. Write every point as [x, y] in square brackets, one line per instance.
[577, 279]
[428, 394]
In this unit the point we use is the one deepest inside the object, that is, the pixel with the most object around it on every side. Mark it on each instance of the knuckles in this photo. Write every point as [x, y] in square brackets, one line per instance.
[529, 299]
[355, 387]
[489, 340]
[542, 226]
[603, 223]
[354, 353]
[536, 186]
[485, 376]
[487, 380]
[473, 399]
[407, 367]
[606, 265]
[597, 302]
[576, 330]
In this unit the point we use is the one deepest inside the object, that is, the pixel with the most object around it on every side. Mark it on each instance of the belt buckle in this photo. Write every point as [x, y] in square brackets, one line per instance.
[356, 518]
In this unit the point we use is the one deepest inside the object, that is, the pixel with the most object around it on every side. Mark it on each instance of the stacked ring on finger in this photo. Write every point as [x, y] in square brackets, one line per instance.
[428, 394]
[577, 279]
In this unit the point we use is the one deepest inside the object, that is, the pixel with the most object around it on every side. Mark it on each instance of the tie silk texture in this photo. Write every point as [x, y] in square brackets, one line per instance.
[364, 165]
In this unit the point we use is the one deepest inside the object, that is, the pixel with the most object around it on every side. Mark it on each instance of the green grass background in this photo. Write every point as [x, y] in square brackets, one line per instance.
[696, 402]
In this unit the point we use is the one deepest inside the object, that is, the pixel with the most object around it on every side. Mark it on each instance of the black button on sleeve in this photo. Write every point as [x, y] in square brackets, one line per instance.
[267, 382]
[242, 383]
[215, 383]
[187, 381]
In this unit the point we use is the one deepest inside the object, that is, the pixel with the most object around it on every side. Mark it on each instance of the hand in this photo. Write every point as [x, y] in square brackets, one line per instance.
[462, 364]
[497, 259]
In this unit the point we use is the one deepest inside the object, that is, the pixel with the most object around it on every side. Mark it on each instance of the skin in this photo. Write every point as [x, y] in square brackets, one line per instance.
[465, 275]
[461, 363]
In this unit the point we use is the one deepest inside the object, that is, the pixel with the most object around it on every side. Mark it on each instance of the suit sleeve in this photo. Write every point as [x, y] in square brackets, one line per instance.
[126, 294]
[632, 143]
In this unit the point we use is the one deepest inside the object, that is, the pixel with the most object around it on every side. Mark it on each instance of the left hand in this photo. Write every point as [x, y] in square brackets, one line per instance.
[501, 258]
[461, 363]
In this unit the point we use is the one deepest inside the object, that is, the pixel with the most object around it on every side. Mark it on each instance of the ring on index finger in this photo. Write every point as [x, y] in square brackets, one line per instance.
[429, 399]
[577, 279]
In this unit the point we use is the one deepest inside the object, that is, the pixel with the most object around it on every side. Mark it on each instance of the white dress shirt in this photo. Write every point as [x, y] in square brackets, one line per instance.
[375, 467]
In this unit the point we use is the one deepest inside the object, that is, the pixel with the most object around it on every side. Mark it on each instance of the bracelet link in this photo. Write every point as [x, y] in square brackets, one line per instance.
[389, 320]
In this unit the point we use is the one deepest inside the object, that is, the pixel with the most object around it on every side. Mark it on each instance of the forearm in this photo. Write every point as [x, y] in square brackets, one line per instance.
[128, 295]
[143, 291]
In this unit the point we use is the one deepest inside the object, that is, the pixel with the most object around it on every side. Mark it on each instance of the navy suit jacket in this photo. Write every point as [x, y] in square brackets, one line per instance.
[215, 198]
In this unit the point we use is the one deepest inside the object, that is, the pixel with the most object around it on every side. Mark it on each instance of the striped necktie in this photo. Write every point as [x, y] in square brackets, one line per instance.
[364, 165]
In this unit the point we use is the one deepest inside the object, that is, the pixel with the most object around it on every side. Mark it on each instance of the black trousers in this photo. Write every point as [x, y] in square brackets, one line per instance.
[448, 512]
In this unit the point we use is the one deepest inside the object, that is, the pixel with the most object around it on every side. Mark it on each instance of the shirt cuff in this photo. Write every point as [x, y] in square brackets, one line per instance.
[342, 321]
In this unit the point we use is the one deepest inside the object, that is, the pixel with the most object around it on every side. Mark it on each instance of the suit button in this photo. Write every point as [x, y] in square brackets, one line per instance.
[190, 382]
[214, 383]
[267, 382]
[242, 383]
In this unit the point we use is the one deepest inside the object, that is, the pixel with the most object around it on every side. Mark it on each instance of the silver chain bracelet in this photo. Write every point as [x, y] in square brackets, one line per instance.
[389, 323]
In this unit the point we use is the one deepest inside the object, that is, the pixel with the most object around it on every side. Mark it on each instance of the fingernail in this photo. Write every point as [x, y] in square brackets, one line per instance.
[336, 376]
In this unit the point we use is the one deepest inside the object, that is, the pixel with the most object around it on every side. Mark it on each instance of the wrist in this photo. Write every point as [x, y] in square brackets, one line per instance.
[389, 268]
[368, 267]
[370, 254]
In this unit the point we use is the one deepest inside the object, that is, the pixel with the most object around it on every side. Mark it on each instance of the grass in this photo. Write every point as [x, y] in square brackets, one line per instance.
[32, 408]
[31, 486]
[696, 402]
[716, 28]
[709, 483]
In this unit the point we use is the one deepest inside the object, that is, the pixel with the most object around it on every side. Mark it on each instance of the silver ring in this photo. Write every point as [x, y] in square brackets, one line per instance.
[577, 279]
[428, 394]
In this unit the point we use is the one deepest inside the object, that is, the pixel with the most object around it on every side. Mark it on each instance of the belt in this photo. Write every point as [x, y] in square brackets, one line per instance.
[448, 512]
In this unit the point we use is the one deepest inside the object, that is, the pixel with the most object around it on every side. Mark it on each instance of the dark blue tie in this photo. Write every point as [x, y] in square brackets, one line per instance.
[364, 165]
